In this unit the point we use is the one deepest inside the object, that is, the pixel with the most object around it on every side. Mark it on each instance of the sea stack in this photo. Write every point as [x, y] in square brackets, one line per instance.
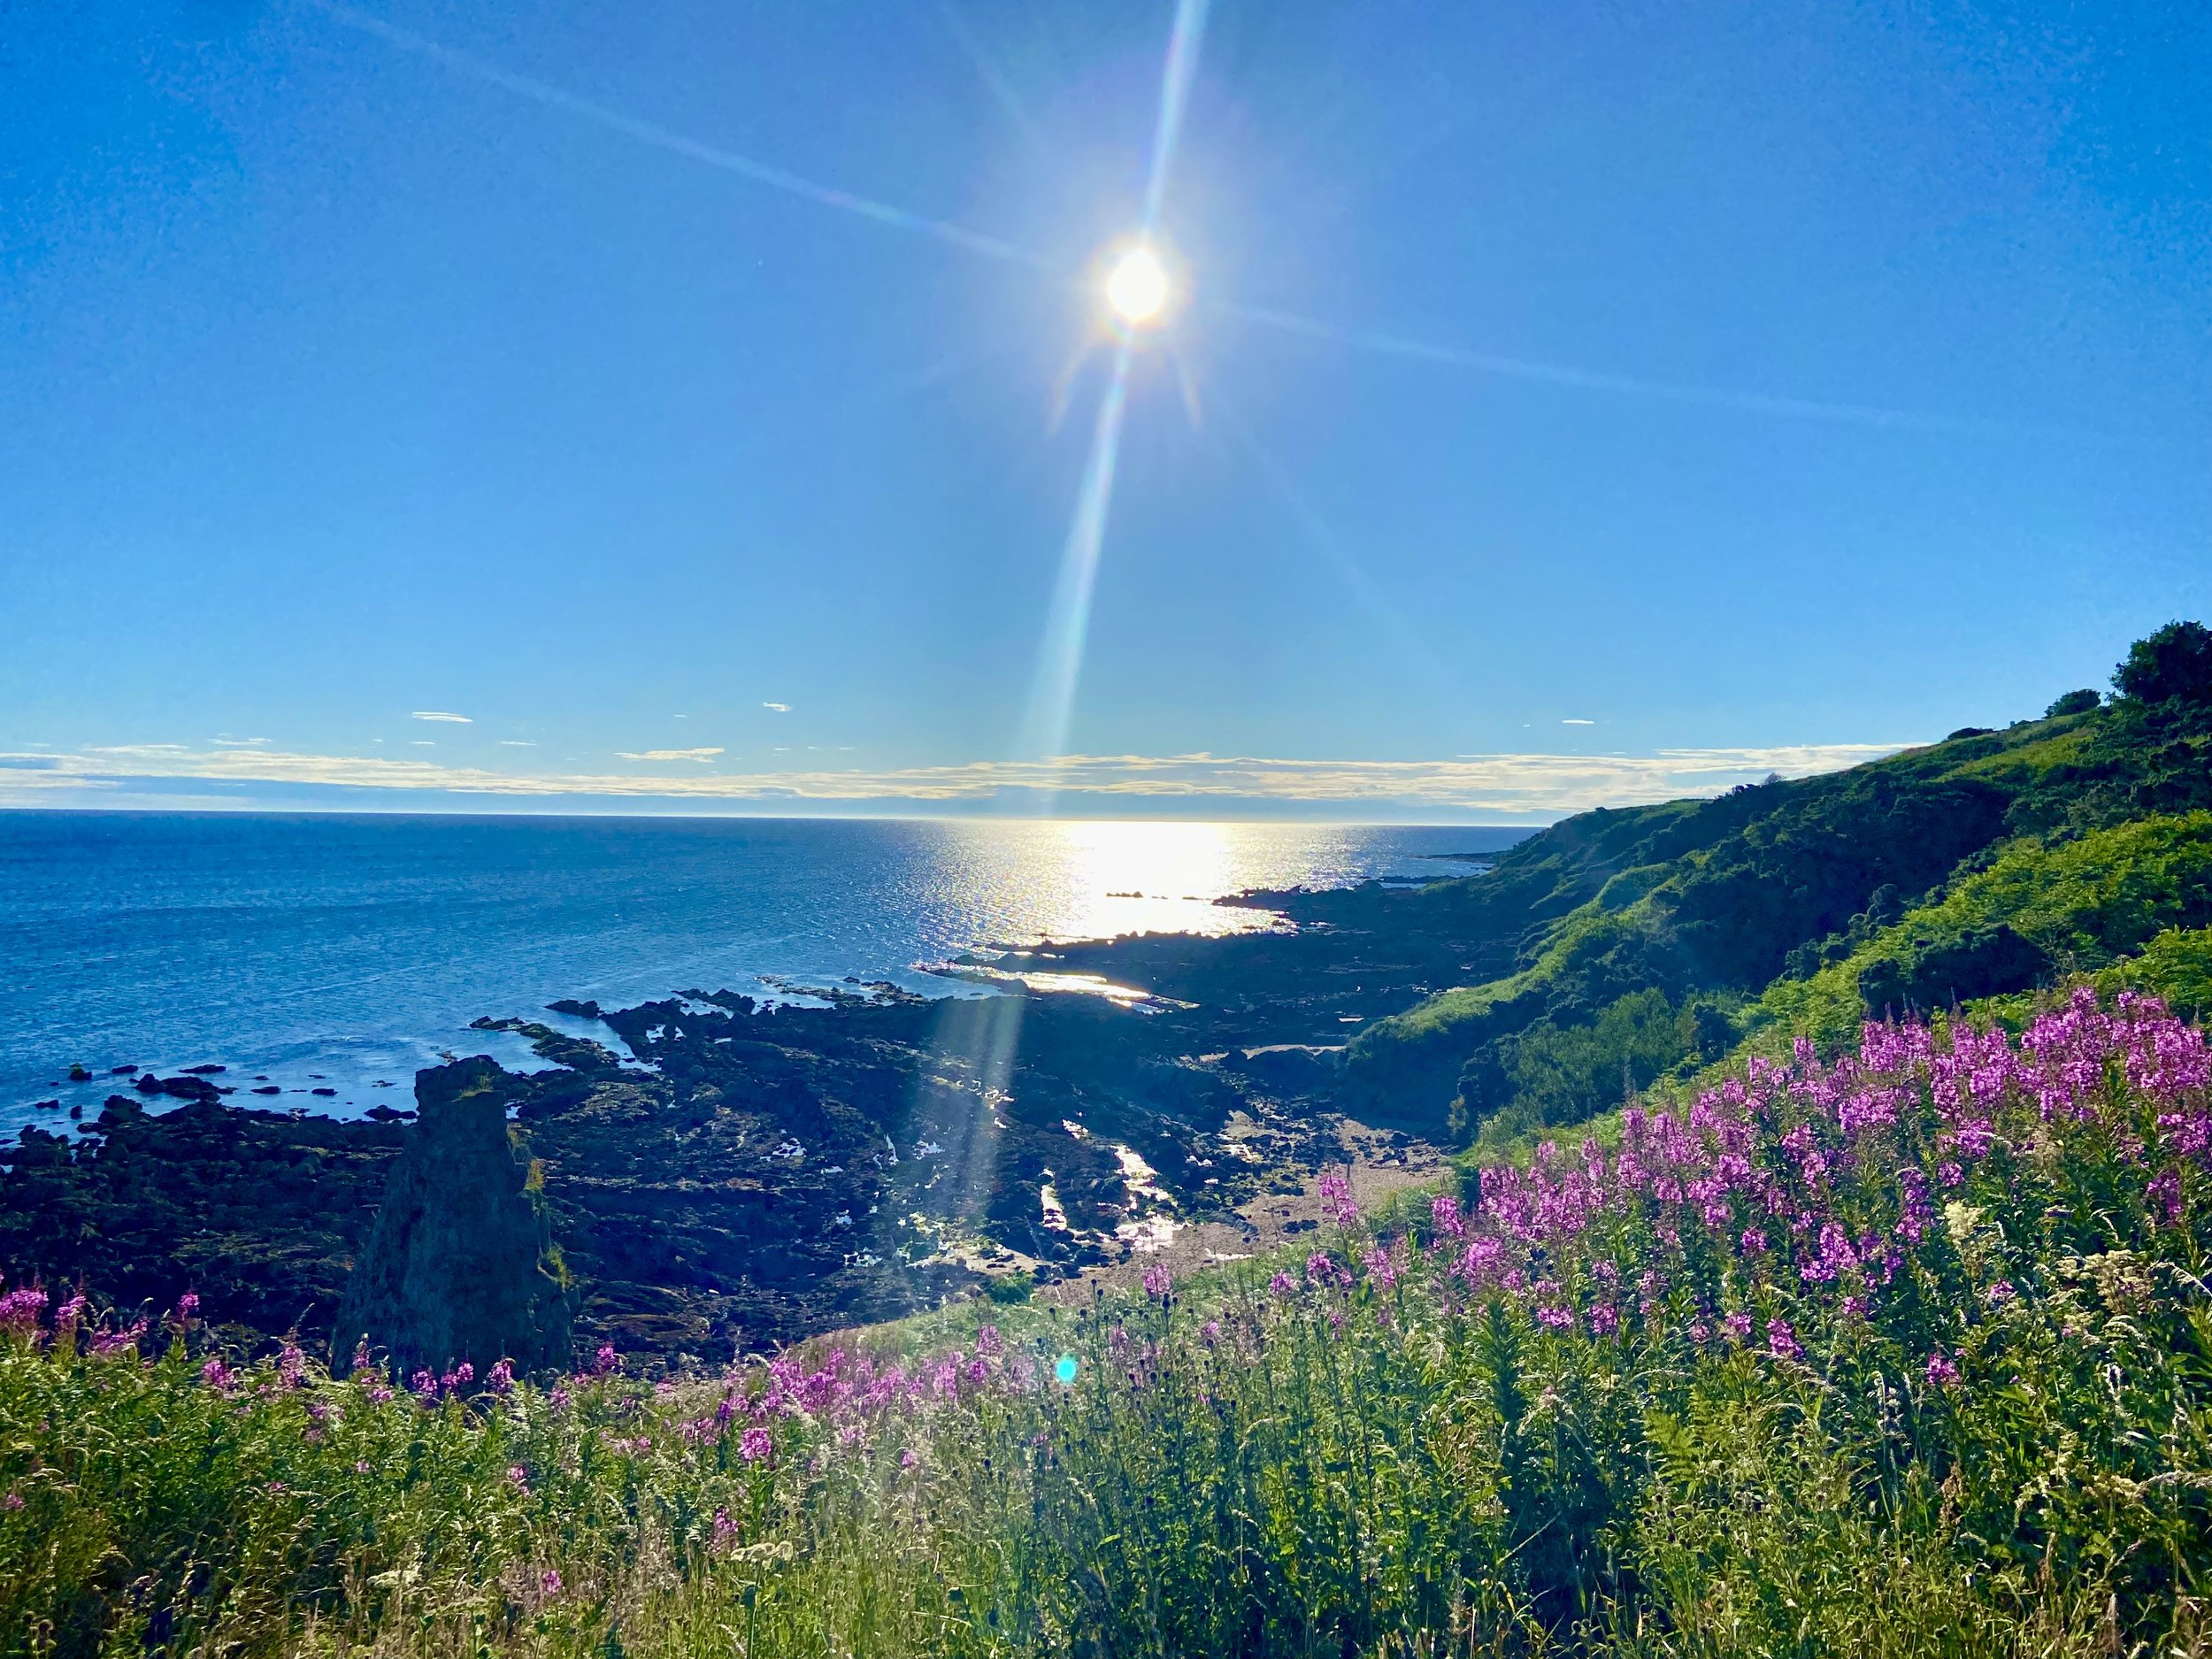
[461, 1265]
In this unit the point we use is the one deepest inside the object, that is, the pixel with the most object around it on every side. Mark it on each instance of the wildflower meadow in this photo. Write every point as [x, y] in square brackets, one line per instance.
[1905, 1351]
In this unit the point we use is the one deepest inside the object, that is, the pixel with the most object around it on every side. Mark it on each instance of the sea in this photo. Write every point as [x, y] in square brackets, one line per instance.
[327, 957]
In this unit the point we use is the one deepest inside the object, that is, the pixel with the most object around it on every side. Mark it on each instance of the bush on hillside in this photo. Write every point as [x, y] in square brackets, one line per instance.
[2174, 663]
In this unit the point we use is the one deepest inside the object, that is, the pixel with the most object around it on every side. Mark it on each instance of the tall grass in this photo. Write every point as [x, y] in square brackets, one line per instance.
[1903, 1354]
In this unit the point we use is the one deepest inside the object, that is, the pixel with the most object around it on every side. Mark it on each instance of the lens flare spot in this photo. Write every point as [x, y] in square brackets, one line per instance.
[1063, 1369]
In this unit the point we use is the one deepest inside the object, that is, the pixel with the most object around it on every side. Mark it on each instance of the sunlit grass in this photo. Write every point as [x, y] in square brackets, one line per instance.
[1906, 1353]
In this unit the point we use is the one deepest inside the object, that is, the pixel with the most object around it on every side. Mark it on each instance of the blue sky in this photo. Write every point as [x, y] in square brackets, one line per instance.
[1570, 404]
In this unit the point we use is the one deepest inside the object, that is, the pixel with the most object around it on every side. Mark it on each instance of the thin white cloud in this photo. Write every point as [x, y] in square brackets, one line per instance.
[699, 754]
[432, 714]
[1498, 783]
[516, 742]
[237, 742]
[421, 742]
[1578, 723]
[777, 707]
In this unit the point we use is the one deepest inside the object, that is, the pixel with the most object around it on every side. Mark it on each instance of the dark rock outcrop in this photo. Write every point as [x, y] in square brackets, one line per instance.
[186, 1088]
[461, 1265]
[259, 1212]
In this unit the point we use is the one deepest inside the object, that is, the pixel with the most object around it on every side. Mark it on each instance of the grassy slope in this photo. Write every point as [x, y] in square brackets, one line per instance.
[1709, 900]
[1997, 1444]
[2083, 904]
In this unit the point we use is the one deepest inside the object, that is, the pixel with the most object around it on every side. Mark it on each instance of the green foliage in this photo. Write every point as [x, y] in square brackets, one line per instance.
[2033, 913]
[2082, 701]
[2176, 965]
[1549, 1074]
[2173, 663]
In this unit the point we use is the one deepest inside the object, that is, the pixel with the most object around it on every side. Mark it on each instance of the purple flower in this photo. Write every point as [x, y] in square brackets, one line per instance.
[606, 1362]
[217, 1376]
[501, 1378]
[754, 1444]
[187, 1307]
[1782, 1340]
[106, 1342]
[549, 1583]
[518, 1478]
[1157, 1280]
[1941, 1372]
[2002, 1291]
[1282, 1286]
[19, 1310]
[1736, 1327]
[1336, 1195]
[14, 1500]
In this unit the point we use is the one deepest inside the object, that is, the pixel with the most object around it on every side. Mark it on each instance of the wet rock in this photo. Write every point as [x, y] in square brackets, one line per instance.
[260, 1214]
[185, 1088]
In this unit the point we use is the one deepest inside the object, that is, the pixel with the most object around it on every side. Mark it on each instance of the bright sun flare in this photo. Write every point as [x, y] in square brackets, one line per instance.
[1136, 287]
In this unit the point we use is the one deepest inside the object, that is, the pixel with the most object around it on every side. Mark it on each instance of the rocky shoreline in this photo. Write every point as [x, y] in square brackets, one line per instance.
[754, 1172]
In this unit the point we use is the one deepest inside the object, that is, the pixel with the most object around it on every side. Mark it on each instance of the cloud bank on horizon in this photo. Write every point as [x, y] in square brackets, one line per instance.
[1528, 787]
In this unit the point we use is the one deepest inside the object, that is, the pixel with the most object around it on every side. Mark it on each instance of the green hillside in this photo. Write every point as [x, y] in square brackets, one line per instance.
[2037, 910]
[1623, 945]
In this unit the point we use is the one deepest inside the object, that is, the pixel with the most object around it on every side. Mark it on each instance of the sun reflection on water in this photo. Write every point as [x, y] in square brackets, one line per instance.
[1031, 883]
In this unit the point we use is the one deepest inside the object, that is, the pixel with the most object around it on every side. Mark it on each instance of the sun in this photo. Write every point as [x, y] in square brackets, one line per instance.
[1137, 287]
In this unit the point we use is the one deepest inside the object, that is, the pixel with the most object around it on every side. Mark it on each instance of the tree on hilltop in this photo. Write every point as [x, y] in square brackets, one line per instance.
[2173, 663]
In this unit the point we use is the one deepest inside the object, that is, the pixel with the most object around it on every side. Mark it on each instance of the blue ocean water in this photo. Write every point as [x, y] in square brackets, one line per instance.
[312, 952]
